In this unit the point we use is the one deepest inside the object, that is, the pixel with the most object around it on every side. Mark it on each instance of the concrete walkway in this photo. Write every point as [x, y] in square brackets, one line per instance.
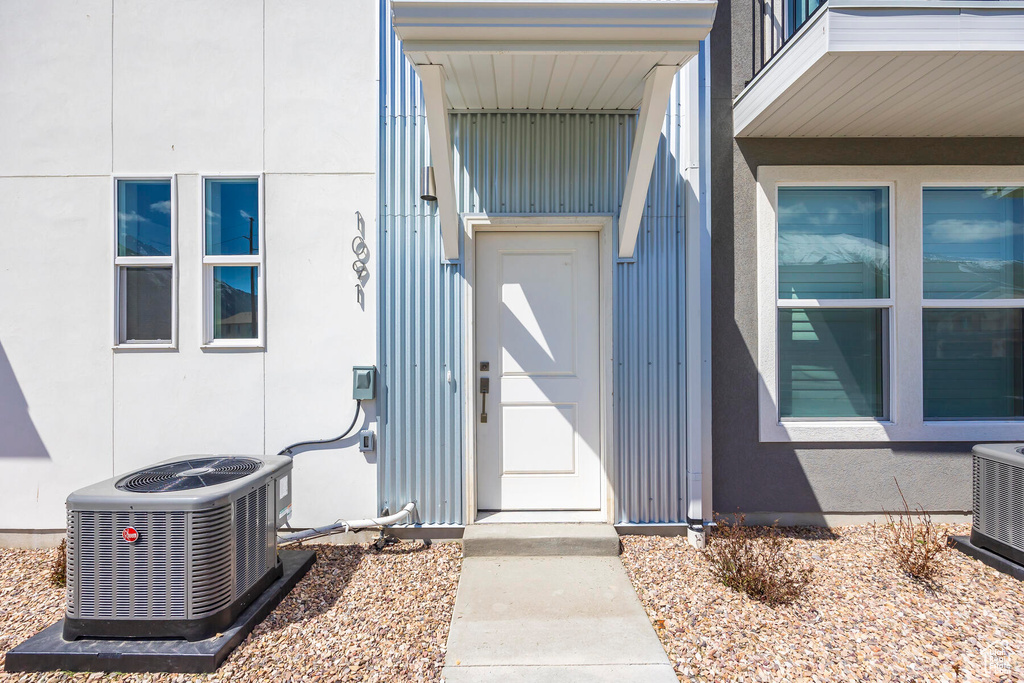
[533, 615]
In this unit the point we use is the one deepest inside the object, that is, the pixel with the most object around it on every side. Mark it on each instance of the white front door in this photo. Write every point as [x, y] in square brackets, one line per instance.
[537, 344]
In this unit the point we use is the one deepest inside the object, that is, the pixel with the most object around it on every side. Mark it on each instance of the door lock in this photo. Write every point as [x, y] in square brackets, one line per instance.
[485, 388]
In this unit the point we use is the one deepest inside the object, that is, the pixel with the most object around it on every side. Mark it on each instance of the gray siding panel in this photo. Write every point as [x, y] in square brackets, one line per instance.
[523, 163]
[807, 478]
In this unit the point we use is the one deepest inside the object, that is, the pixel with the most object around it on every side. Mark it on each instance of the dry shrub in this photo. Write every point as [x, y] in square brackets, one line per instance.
[59, 568]
[913, 541]
[754, 561]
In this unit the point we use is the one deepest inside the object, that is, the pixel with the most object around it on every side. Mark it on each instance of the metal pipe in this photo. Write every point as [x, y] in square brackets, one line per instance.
[698, 307]
[349, 525]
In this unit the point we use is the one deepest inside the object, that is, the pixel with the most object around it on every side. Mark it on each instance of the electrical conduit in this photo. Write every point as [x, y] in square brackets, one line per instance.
[349, 525]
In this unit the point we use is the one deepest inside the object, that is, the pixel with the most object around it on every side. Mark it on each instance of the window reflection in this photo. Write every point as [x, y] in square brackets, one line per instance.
[143, 218]
[974, 243]
[235, 309]
[833, 243]
[973, 363]
[799, 12]
[232, 217]
[832, 362]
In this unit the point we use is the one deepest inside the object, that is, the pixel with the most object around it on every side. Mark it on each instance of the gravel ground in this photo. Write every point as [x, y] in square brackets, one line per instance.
[358, 615]
[860, 620]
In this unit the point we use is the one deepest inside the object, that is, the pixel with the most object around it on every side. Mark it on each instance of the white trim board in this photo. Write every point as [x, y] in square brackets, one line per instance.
[906, 416]
[473, 223]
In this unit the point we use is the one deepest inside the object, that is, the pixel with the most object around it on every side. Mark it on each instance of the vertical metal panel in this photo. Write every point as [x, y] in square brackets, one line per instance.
[521, 163]
[420, 313]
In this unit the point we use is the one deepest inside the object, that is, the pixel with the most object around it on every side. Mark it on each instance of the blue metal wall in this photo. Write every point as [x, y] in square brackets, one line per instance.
[523, 163]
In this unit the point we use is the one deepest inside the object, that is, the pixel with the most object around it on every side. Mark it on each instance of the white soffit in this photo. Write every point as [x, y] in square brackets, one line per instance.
[549, 54]
[894, 68]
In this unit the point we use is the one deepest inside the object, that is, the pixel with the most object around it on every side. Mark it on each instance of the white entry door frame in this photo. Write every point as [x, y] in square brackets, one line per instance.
[601, 224]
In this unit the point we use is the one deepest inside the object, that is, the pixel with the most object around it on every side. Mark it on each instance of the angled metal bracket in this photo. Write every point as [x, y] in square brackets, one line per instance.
[657, 89]
[441, 156]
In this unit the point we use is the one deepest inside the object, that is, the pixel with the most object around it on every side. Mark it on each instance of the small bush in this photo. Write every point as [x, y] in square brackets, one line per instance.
[59, 568]
[754, 561]
[914, 542]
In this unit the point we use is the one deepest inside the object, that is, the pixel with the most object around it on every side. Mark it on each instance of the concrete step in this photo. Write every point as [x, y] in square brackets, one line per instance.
[540, 540]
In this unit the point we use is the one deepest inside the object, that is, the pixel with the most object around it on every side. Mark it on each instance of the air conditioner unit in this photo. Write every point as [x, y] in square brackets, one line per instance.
[999, 500]
[176, 550]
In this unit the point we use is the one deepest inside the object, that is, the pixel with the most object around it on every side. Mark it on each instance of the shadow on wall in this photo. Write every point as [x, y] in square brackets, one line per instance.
[18, 435]
[811, 479]
[365, 419]
[804, 481]
[801, 482]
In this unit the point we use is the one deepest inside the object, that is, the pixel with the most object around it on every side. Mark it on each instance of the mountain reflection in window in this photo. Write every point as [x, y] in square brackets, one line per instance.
[833, 243]
[235, 305]
[974, 243]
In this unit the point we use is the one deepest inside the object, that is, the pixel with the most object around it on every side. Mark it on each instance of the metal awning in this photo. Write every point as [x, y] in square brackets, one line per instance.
[894, 68]
[570, 55]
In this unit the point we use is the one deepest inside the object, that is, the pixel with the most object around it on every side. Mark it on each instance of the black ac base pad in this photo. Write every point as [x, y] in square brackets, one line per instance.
[48, 651]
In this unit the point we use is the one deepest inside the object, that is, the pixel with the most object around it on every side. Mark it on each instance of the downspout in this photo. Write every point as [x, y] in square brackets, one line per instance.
[698, 306]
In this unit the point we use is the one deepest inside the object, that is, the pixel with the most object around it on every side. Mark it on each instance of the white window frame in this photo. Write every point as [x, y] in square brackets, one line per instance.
[120, 308]
[906, 289]
[209, 262]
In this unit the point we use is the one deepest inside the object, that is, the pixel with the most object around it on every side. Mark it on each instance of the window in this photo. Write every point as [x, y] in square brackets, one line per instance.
[233, 261]
[833, 302]
[798, 12]
[144, 263]
[891, 303]
[973, 296]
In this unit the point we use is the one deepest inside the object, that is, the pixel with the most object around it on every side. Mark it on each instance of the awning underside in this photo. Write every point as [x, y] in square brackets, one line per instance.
[578, 55]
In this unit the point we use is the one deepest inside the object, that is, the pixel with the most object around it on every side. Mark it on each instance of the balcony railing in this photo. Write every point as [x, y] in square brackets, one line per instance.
[776, 23]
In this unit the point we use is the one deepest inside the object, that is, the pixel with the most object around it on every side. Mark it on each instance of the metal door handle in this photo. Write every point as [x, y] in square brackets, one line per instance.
[485, 388]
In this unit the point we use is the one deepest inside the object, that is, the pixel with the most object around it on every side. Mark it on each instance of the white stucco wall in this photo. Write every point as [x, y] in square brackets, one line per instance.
[95, 88]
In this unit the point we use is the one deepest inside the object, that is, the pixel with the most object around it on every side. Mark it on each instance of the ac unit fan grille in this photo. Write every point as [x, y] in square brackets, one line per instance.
[189, 474]
[999, 501]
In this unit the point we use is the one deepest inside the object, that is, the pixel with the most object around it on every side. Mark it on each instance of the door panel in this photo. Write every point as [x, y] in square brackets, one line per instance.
[538, 329]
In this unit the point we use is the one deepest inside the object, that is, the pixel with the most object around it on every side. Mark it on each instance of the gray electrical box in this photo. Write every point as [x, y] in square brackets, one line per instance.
[367, 441]
[364, 382]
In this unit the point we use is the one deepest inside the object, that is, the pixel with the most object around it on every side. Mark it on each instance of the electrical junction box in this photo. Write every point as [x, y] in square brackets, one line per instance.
[367, 441]
[364, 382]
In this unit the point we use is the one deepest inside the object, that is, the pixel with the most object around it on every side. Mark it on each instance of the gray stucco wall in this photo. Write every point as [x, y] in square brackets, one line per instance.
[773, 478]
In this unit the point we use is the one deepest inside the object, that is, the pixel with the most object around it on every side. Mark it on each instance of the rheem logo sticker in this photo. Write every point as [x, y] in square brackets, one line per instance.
[130, 534]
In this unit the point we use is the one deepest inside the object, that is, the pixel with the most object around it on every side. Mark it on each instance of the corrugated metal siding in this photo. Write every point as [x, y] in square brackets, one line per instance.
[420, 315]
[524, 163]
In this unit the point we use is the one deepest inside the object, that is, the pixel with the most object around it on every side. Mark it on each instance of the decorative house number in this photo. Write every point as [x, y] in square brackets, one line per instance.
[362, 253]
